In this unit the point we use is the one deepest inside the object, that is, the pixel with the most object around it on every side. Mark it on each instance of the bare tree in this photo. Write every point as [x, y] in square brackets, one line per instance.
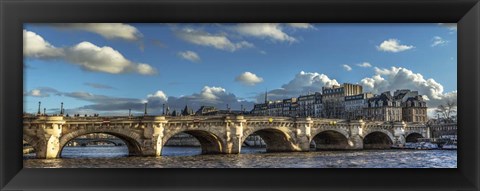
[447, 110]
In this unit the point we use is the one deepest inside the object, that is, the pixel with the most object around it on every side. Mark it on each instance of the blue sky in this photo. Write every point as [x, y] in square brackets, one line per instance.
[110, 67]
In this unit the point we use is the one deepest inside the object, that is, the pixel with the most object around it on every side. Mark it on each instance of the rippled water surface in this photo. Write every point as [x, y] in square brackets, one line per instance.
[189, 157]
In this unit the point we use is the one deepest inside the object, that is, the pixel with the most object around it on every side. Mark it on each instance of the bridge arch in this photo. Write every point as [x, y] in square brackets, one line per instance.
[277, 139]
[412, 137]
[330, 139]
[378, 140]
[209, 141]
[32, 141]
[131, 139]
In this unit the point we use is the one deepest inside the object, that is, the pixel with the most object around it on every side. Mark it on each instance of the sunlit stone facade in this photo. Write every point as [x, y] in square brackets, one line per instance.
[349, 102]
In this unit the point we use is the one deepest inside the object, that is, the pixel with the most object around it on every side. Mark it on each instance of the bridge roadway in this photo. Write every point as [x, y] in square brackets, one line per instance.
[146, 135]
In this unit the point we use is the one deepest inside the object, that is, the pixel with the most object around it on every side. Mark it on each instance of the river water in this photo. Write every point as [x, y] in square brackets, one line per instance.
[190, 157]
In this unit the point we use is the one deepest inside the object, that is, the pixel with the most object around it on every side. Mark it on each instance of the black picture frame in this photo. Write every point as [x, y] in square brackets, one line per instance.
[14, 13]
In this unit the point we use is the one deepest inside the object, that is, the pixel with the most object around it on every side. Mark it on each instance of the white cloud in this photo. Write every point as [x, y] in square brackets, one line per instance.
[189, 55]
[271, 31]
[401, 78]
[310, 79]
[249, 78]
[85, 54]
[41, 92]
[107, 30]
[104, 59]
[158, 95]
[449, 26]
[302, 83]
[301, 25]
[393, 45]
[438, 41]
[365, 65]
[144, 69]
[347, 67]
[35, 46]
[212, 93]
[218, 41]
[209, 96]
[36, 93]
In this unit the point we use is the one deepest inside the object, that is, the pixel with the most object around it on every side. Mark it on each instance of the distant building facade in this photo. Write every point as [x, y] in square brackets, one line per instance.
[414, 107]
[210, 110]
[348, 101]
[383, 107]
[306, 105]
[334, 98]
[206, 110]
[355, 104]
[289, 107]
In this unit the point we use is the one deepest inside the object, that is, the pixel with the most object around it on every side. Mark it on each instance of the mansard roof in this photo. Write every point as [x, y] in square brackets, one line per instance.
[384, 97]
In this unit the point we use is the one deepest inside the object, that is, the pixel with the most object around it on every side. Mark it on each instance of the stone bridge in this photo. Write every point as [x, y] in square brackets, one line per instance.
[146, 135]
[446, 129]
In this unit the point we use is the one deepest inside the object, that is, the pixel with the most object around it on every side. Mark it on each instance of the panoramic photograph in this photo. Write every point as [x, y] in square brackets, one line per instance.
[240, 95]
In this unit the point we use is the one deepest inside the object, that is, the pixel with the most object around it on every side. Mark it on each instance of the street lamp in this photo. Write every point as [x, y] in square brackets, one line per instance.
[163, 109]
[39, 103]
[61, 109]
[145, 108]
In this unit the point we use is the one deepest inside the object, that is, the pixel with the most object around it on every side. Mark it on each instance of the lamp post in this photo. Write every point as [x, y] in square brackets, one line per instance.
[61, 109]
[145, 108]
[163, 112]
[39, 103]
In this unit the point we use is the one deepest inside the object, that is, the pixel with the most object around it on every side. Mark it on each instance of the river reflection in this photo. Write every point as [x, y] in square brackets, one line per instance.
[190, 157]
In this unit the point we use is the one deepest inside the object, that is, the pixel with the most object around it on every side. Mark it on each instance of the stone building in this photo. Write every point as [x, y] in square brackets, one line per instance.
[349, 102]
[333, 98]
[383, 107]
[211, 110]
[294, 108]
[289, 107]
[260, 109]
[355, 104]
[306, 107]
[414, 108]
[318, 105]
[206, 110]
[275, 108]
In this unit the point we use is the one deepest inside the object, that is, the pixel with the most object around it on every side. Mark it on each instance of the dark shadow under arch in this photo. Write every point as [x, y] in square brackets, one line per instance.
[275, 140]
[413, 137]
[134, 147]
[34, 142]
[209, 142]
[330, 140]
[377, 140]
